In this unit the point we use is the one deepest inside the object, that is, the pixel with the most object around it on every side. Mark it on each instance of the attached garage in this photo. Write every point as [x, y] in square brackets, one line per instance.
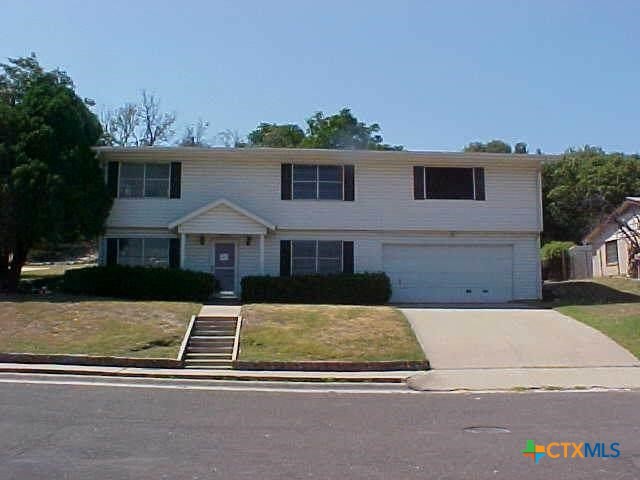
[449, 273]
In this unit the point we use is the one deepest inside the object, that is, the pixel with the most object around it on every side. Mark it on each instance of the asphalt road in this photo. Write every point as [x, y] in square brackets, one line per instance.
[103, 432]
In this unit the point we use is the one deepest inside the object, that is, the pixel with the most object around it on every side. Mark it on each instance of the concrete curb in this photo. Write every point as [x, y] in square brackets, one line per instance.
[523, 379]
[202, 374]
[90, 360]
[335, 366]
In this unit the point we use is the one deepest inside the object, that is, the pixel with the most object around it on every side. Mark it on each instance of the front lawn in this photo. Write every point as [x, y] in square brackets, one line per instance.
[92, 326]
[325, 332]
[611, 305]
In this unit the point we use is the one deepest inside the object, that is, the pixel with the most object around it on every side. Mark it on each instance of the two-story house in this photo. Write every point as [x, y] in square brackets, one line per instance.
[445, 227]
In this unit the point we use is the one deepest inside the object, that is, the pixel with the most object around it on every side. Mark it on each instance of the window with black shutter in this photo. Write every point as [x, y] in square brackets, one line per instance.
[113, 170]
[176, 180]
[112, 251]
[285, 258]
[347, 257]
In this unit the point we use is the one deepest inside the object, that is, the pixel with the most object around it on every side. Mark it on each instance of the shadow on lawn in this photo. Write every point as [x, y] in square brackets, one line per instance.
[584, 292]
[58, 297]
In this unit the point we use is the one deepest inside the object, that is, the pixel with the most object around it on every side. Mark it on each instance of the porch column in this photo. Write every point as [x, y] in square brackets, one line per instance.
[183, 248]
[261, 241]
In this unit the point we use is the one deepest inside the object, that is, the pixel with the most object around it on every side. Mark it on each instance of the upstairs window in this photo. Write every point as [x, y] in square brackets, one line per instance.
[317, 182]
[611, 252]
[448, 183]
[139, 180]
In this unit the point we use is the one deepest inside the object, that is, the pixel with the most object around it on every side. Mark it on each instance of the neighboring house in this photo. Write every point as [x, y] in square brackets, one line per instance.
[445, 227]
[610, 247]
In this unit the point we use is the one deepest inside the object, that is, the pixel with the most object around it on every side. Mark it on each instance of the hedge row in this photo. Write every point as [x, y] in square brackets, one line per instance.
[355, 289]
[141, 283]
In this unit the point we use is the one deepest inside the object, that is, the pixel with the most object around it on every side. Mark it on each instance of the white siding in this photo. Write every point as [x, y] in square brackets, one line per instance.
[222, 219]
[384, 210]
[384, 193]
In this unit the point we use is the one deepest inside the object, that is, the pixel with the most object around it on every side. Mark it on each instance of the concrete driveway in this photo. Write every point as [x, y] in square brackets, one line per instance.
[511, 338]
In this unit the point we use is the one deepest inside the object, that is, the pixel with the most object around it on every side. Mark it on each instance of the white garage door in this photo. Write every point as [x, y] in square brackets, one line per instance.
[449, 273]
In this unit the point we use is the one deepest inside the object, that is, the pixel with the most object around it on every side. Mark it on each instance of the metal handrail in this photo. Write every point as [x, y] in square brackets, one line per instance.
[185, 340]
[236, 341]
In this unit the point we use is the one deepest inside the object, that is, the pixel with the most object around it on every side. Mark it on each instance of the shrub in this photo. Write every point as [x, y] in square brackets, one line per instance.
[141, 283]
[355, 289]
[555, 250]
[555, 263]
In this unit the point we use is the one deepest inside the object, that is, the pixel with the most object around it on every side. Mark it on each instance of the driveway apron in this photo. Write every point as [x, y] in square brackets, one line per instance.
[511, 338]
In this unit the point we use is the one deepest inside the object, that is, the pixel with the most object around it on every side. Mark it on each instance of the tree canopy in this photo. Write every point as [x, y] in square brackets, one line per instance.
[51, 184]
[274, 135]
[340, 131]
[583, 187]
[496, 146]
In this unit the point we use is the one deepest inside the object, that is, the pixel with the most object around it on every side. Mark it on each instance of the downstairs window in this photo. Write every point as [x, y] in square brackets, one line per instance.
[153, 252]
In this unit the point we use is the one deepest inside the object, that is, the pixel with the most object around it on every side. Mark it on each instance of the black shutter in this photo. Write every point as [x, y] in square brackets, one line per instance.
[112, 178]
[418, 183]
[478, 175]
[174, 253]
[176, 180]
[285, 258]
[347, 257]
[112, 251]
[349, 183]
[286, 177]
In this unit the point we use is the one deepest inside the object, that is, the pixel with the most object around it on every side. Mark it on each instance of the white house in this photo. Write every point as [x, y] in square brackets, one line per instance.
[445, 227]
[610, 246]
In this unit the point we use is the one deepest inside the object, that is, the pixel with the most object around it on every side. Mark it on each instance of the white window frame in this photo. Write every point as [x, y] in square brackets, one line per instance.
[606, 259]
[317, 182]
[317, 255]
[144, 179]
[168, 180]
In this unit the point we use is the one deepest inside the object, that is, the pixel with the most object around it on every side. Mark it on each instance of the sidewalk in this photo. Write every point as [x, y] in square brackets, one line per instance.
[504, 379]
[376, 377]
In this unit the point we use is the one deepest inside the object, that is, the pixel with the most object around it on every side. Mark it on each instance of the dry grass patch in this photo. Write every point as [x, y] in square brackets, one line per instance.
[326, 332]
[93, 326]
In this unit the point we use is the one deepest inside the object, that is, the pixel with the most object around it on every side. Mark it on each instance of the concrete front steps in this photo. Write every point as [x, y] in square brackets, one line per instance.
[212, 342]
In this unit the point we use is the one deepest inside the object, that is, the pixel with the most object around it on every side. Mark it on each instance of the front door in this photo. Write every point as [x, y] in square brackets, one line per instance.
[225, 266]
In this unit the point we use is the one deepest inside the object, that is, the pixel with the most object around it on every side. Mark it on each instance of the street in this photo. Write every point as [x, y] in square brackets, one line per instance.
[164, 430]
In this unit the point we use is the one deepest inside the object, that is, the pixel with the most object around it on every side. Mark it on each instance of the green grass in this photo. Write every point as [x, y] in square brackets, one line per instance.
[611, 305]
[326, 332]
[92, 326]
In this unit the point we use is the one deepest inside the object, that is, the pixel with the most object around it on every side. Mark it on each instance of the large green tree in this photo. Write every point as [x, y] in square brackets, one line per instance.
[340, 131]
[583, 187]
[273, 135]
[51, 184]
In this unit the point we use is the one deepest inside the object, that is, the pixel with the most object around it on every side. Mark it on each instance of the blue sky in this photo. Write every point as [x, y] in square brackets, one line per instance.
[435, 75]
